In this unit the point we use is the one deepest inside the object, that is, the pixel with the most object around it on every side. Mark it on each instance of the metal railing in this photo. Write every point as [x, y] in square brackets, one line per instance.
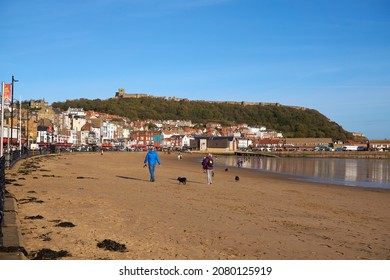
[14, 156]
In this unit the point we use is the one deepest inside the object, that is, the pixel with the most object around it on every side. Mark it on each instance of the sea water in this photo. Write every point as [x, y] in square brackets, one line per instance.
[372, 173]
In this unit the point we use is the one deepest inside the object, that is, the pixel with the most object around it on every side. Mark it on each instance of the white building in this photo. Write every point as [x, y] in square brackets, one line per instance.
[186, 140]
[72, 118]
[243, 143]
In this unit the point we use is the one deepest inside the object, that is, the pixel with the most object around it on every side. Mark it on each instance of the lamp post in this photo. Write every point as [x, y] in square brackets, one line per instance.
[12, 105]
[20, 128]
[27, 132]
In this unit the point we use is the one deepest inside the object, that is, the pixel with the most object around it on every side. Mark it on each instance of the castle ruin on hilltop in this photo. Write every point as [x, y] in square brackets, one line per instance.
[122, 94]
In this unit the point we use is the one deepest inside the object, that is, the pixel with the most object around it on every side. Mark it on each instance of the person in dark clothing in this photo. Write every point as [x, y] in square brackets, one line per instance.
[208, 165]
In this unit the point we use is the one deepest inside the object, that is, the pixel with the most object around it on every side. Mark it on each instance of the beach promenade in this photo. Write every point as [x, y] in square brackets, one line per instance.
[70, 203]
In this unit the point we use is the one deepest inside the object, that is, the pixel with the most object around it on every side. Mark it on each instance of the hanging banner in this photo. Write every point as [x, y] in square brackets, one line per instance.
[7, 95]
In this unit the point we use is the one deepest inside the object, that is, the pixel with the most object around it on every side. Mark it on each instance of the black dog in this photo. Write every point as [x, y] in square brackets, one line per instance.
[237, 178]
[182, 180]
[226, 169]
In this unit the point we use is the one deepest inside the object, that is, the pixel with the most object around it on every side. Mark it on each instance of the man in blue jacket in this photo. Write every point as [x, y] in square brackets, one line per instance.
[151, 159]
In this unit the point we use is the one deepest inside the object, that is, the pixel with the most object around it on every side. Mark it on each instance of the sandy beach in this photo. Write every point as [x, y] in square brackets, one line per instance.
[72, 202]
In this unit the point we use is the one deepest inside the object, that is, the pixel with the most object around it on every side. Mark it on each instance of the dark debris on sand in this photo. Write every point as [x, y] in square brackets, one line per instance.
[48, 254]
[29, 200]
[45, 237]
[28, 167]
[65, 224]
[37, 217]
[111, 245]
[10, 181]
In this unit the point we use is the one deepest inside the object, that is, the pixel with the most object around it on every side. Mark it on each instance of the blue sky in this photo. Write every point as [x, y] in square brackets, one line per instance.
[332, 56]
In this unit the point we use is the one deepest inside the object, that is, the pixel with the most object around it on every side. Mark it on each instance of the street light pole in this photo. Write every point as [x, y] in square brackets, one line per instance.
[12, 106]
[20, 127]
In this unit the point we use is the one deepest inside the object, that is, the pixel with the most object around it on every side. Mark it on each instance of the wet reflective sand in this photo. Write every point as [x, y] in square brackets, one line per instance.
[374, 173]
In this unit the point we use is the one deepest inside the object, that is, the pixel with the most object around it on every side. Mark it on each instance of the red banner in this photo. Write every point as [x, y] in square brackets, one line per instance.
[7, 94]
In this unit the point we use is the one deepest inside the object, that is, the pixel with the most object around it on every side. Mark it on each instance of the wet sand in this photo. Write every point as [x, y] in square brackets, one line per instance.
[262, 216]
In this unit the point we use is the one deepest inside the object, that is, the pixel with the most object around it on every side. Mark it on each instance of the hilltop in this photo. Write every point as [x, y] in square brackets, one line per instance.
[291, 121]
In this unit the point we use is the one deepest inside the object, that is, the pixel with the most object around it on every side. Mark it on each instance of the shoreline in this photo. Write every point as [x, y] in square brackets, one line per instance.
[262, 216]
[343, 154]
[310, 177]
[309, 154]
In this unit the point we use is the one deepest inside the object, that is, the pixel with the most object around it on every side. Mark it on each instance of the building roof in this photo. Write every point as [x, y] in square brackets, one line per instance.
[269, 141]
[230, 138]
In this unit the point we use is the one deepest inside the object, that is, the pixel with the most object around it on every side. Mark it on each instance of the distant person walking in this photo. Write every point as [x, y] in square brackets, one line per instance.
[151, 159]
[208, 165]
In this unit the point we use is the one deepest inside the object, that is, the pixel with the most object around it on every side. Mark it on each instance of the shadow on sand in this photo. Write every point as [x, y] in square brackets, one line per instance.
[130, 178]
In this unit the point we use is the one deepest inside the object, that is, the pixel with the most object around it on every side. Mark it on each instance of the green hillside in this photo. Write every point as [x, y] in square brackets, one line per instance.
[291, 121]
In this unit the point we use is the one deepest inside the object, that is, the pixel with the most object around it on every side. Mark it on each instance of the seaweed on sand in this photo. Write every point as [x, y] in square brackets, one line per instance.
[48, 254]
[112, 245]
[37, 217]
[65, 224]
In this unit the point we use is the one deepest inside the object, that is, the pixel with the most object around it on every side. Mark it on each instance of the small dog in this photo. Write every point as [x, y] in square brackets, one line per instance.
[226, 169]
[182, 180]
[237, 178]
